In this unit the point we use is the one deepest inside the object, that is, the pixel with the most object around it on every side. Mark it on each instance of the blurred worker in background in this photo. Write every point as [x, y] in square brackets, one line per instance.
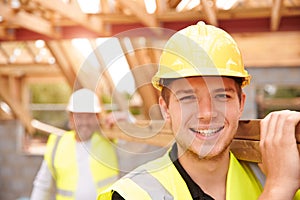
[81, 162]
[201, 76]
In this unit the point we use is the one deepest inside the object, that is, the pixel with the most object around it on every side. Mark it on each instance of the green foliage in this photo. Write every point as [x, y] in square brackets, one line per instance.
[50, 93]
[106, 99]
[285, 92]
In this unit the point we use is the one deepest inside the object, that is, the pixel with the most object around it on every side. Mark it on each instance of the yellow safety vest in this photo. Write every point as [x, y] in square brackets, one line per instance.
[61, 159]
[150, 182]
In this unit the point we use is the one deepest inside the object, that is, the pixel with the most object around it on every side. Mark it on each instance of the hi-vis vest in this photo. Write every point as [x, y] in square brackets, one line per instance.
[150, 182]
[61, 159]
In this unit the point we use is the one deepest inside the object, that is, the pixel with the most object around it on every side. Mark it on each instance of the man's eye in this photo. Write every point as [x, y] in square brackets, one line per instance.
[222, 96]
[187, 98]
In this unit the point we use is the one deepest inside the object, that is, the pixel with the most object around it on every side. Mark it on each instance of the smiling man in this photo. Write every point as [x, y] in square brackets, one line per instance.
[201, 76]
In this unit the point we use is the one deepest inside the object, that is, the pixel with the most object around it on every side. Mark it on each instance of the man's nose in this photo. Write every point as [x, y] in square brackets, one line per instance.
[206, 109]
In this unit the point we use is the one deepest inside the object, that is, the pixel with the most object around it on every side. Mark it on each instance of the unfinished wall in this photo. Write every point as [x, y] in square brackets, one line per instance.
[288, 76]
[17, 171]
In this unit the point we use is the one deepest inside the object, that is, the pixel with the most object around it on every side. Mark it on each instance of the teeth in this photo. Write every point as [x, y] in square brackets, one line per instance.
[207, 132]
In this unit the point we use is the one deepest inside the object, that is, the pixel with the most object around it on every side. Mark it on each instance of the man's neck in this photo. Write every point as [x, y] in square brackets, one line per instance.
[209, 174]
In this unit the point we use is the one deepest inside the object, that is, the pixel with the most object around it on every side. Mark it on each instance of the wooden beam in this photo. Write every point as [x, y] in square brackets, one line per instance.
[105, 8]
[269, 49]
[173, 3]
[143, 73]
[118, 98]
[74, 13]
[15, 105]
[6, 35]
[236, 14]
[46, 128]
[28, 21]
[142, 69]
[210, 12]
[140, 12]
[19, 70]
[55, 47]
[276, 14]
[245, 145]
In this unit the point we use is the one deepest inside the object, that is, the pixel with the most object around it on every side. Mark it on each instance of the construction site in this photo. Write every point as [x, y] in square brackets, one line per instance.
[49, 49]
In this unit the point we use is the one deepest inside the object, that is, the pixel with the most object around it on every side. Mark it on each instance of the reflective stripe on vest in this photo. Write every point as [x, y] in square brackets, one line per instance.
[156, 191]
[258, 173]
[53, 155]
[65, 193]
[107, 181]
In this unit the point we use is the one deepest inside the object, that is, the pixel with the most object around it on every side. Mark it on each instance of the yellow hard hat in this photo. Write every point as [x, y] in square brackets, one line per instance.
[84, 101]
[200, 50]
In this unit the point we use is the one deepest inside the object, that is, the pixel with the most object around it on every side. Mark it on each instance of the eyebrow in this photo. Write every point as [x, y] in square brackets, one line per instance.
[189, 91]
[225, 90]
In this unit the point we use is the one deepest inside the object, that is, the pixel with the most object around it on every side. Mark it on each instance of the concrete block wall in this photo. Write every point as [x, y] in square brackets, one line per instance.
[17, 170]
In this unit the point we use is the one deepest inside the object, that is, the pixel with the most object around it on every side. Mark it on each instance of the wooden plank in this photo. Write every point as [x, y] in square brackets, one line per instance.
[245, 145]
[250, 130]
[246, 150]
[38, 125]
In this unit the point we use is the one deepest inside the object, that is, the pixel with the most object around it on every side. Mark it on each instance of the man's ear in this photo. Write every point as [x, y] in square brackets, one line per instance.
[242, 103]
[164, 109]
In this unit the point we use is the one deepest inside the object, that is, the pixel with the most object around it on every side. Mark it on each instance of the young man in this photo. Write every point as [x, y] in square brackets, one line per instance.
[81, 162]
[201, 76]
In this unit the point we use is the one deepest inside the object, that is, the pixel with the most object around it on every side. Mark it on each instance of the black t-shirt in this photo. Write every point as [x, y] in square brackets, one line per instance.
[196, 192]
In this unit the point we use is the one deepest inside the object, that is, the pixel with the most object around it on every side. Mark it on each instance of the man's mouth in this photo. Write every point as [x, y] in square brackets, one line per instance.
[207, 132]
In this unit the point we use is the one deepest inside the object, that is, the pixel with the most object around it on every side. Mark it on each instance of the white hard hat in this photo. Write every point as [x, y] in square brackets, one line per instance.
[84, 101]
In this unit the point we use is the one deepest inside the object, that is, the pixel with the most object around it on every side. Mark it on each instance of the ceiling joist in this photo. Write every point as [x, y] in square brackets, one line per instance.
[276, 15]
[28, 21]
[140, 12]
[210, 12]
[73, 12]
[63, 63]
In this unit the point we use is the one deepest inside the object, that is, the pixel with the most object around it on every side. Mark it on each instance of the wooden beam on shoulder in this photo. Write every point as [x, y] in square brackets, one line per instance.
[245, 145]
